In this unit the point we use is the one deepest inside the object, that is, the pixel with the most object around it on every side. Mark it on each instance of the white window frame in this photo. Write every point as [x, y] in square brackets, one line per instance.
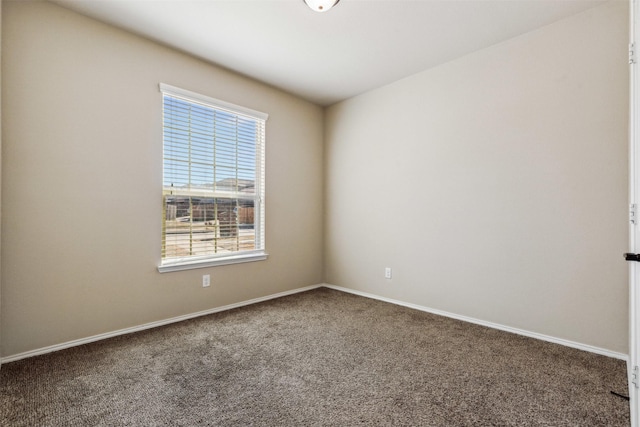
[259, 254]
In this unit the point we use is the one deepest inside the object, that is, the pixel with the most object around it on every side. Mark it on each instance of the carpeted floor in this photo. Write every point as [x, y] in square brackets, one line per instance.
[319, 358]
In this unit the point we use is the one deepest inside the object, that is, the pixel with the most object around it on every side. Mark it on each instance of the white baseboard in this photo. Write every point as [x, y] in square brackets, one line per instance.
[150, 325]
[498, 326]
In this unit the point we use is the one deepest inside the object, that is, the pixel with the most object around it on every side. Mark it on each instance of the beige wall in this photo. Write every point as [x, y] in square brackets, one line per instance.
[495, 185]
[82, 172]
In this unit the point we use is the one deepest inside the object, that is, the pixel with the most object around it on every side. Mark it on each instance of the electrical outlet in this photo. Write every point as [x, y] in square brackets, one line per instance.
[206, 280]
[387, 273]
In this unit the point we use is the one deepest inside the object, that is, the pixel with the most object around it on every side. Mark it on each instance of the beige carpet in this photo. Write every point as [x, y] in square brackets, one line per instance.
[320, 358]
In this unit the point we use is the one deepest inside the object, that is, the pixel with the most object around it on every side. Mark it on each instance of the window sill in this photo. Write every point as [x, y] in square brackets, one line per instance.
[190, 265]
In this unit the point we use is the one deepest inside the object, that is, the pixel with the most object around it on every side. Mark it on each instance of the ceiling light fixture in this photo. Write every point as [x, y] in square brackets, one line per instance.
[321, 5]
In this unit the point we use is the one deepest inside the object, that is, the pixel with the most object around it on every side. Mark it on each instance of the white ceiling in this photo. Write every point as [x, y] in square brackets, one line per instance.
[327, 57]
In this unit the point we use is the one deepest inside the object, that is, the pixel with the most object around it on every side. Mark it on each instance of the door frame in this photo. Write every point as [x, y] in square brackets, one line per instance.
[634, 230]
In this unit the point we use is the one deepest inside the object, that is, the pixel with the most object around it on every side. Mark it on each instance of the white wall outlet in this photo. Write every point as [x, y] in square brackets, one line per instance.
[206, 280]
[387, 273]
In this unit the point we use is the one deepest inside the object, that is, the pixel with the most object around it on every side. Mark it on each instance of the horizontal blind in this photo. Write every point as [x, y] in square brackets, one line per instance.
[213, 178]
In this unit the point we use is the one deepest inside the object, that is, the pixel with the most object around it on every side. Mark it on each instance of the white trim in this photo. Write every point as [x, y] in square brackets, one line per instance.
[168, 267]
[634, 126]
[150, 325]
[207, 100]
[566, 343]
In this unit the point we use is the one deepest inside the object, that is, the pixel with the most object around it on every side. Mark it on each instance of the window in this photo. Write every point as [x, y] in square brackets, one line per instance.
[213, 182]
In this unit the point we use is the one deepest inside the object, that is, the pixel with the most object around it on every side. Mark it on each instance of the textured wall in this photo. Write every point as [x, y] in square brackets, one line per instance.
[82, 168]
[494, 185]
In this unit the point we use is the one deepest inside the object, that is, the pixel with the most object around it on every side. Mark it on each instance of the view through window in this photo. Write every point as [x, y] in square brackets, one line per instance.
[213, 180]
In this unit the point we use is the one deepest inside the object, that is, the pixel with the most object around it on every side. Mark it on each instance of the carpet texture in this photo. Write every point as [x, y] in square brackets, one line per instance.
[318, 358]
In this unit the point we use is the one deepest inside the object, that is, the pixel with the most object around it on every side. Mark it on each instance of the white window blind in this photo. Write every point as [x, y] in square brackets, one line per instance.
[213, 181]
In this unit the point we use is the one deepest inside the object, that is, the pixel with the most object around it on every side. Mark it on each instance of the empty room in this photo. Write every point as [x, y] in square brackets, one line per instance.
[290, 212]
